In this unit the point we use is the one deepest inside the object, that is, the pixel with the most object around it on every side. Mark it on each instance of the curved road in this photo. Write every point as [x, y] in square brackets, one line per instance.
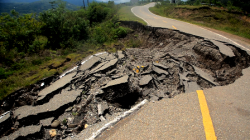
[183, 117]
[158, 21]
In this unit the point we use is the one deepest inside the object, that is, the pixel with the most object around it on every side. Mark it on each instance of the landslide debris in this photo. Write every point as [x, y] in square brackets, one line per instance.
[167, 63]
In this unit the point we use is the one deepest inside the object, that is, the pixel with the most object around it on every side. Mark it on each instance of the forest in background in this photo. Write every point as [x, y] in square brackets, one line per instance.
[34, 46]
[32, 7]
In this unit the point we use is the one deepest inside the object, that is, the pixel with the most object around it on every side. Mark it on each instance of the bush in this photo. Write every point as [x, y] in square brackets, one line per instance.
[62, 25]
[17, 33]
[4, 74]
[120, 32]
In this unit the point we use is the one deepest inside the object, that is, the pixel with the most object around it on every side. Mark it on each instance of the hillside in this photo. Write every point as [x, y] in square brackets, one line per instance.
[33, 7]
[218, 18]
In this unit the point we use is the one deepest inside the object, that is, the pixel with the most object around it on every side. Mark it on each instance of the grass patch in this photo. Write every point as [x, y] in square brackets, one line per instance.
[214, 17]
[125, 14]
[34, 70]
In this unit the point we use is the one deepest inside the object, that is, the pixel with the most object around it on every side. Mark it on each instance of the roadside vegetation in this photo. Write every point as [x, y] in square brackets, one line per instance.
[229, 16]
[125, 14]
[33, 46]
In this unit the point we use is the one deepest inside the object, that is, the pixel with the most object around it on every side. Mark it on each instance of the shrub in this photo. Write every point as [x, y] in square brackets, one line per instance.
[62, 25]
[17, 33]
[4, 74]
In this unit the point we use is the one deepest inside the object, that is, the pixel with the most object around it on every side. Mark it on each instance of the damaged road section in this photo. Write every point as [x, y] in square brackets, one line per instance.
[103, 85]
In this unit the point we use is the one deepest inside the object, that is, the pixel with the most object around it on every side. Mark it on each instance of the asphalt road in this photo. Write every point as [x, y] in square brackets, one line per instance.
[158, 21]
[181, 117]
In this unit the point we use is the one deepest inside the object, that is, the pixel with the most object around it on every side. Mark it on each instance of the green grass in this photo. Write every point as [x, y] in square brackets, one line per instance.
[215, 18]
[34, 68]
[125, 14]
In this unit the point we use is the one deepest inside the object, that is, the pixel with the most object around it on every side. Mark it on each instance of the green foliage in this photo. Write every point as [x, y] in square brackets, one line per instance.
[97, 12]
[62, 27]
[17, 33]
[108, 31]
[74, 113]
[64, 122]
[4, 74]
[31, 44]
[33, 7]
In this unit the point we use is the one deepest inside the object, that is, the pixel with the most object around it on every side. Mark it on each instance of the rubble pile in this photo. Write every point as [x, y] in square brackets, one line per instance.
[168, 63]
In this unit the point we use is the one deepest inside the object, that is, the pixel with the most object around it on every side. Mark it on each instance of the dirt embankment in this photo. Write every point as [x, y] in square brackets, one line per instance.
[167, 63]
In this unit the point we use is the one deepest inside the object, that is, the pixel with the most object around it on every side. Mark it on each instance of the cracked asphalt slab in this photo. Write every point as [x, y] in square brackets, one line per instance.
[104, 85]
[182, 119]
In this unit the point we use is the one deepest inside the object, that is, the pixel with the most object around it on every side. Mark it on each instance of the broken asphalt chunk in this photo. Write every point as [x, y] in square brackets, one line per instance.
[205, 75]
[89, 63]
[145, 80]
[46, 122]
[159, 71]
[191, 87]
[27, 113]
[55, 86]
[24, 132]
[107, 65]
[118, 81]
[101, 108]
[160, 66]
[224, 49]
[120, 55]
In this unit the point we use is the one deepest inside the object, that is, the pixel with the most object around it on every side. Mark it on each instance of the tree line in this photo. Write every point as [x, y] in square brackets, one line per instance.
[53, 29]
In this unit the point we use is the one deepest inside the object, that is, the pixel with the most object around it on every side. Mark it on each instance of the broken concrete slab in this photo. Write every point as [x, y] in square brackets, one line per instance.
[224, 49]
[89, 63]
[205, 75]
[107, 65]
[145, 80]
[159, 71]
[55, 86]
[118, 81]
[24, 132]
[59, 100]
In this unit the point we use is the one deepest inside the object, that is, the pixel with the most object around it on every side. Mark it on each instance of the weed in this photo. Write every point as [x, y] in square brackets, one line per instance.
[74, 113]
[64, 122]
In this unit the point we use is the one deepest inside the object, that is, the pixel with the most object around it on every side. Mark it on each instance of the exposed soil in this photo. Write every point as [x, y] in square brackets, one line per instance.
[167, 63]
